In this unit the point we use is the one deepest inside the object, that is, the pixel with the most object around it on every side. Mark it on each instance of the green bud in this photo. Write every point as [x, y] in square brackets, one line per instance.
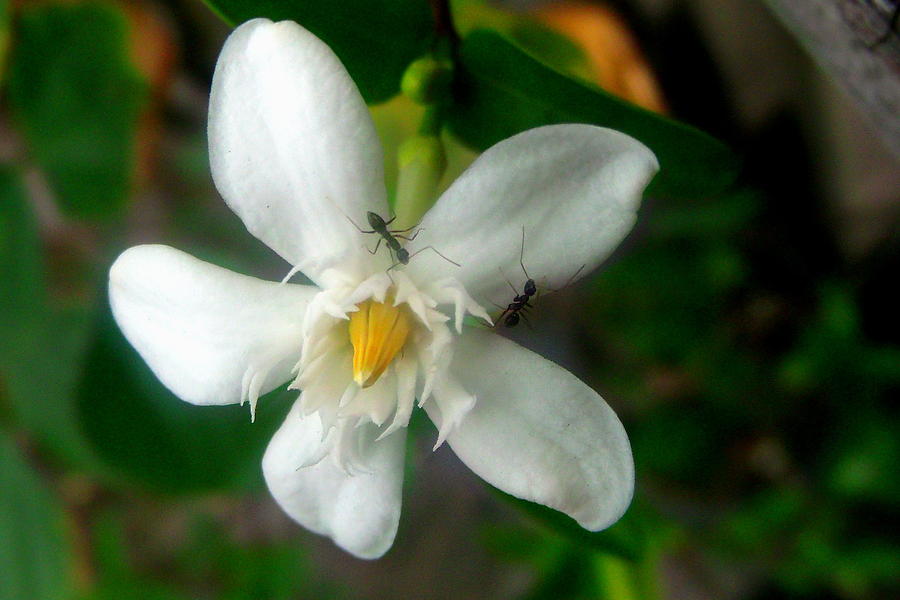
[427, 80]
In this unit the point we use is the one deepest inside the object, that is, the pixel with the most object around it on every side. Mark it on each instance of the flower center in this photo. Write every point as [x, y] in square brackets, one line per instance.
[378, 331]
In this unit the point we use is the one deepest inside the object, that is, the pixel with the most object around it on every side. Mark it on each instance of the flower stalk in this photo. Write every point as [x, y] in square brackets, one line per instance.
[422, 161]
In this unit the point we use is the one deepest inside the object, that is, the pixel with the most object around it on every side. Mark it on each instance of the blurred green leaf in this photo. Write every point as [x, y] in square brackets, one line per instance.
[516, 544]
[722, 219]
[765, 522]
[42, 363]
[617, 579]
[40, 345]
[863, 458]
[212, 553]
[866, 567]
[77, 98]
[155, 439]
[547, 44]
[375, 39]
[502, 90]
[21, 268]
[624, 539]
[551, 47]
[569, 577]
[4, 36]
[830, 354]
[116, 579]
[679, 442]
[34, 554]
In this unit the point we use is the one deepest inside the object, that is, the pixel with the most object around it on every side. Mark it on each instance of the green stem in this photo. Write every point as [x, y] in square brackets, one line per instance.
[432, 122]
[422, 163]
[615, 578]
[443, 20]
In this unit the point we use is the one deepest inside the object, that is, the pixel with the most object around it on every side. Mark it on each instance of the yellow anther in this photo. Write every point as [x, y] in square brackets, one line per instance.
[377, 332]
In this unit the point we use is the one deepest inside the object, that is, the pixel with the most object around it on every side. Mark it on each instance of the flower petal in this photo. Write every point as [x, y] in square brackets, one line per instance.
[211, 336]
[539, 433]
[292, 147]
[360, 512]
[575, 189]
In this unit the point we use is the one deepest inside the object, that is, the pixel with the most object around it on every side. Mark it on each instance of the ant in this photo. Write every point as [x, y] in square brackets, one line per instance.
[516, 309]
[389, 237]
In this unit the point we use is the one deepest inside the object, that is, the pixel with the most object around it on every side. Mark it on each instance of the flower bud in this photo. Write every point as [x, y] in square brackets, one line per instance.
[427, 80]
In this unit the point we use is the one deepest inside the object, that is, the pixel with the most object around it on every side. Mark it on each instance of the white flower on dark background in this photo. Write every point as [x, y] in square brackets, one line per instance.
[294, 153]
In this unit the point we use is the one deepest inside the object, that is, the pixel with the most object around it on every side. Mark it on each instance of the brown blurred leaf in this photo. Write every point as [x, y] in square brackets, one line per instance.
[619, 66]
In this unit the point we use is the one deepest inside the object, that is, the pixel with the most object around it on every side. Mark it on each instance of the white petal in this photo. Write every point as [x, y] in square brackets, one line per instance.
[292, 146]
[575, 189]
[209, 334]
[360, 512]
[539, 433]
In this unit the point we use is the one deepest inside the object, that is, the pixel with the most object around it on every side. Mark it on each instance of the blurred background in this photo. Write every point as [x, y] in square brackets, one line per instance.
[747, 339]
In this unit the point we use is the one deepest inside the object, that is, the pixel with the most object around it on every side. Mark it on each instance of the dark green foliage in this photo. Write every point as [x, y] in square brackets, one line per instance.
[77, 98]
[37, 382]
[375, 39]
[208, 562]
[501, 91]
[624, 539]
[33, 551]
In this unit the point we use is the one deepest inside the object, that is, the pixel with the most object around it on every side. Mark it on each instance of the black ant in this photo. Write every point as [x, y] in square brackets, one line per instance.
[389, 237]
[516, 309]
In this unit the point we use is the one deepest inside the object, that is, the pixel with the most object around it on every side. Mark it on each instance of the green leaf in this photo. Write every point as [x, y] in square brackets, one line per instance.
[625, 539]
[502, 90]
[40, 345]
[154, 439]
[116, 578]
[551, 47]
[77, 98]
[21, 269]
[33, 549]
[375, 39]
[4, 36]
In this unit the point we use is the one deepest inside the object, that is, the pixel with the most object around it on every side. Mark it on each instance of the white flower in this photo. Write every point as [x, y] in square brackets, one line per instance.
[295, 155]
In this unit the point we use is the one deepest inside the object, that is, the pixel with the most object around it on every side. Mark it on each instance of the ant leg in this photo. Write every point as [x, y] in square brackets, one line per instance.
[410, 228]
[407, 238]
[391, 220]
[574, 275]
[377, 245]
[500, 318]
[388, 271]
[525, 318]
[569, 280]
[360, 229]
[436, 252]
[511, 286]
[502, 314]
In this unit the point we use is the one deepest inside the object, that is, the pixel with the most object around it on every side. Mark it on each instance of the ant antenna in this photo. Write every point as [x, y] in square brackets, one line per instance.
[511, 286]
[522, 255]
[453, 262]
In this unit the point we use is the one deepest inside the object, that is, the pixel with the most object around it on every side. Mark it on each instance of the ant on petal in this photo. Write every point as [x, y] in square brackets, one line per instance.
[516, 310]
[390, 236]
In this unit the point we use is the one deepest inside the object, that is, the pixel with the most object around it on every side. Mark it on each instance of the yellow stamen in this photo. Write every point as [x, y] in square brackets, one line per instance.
[377, 332]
